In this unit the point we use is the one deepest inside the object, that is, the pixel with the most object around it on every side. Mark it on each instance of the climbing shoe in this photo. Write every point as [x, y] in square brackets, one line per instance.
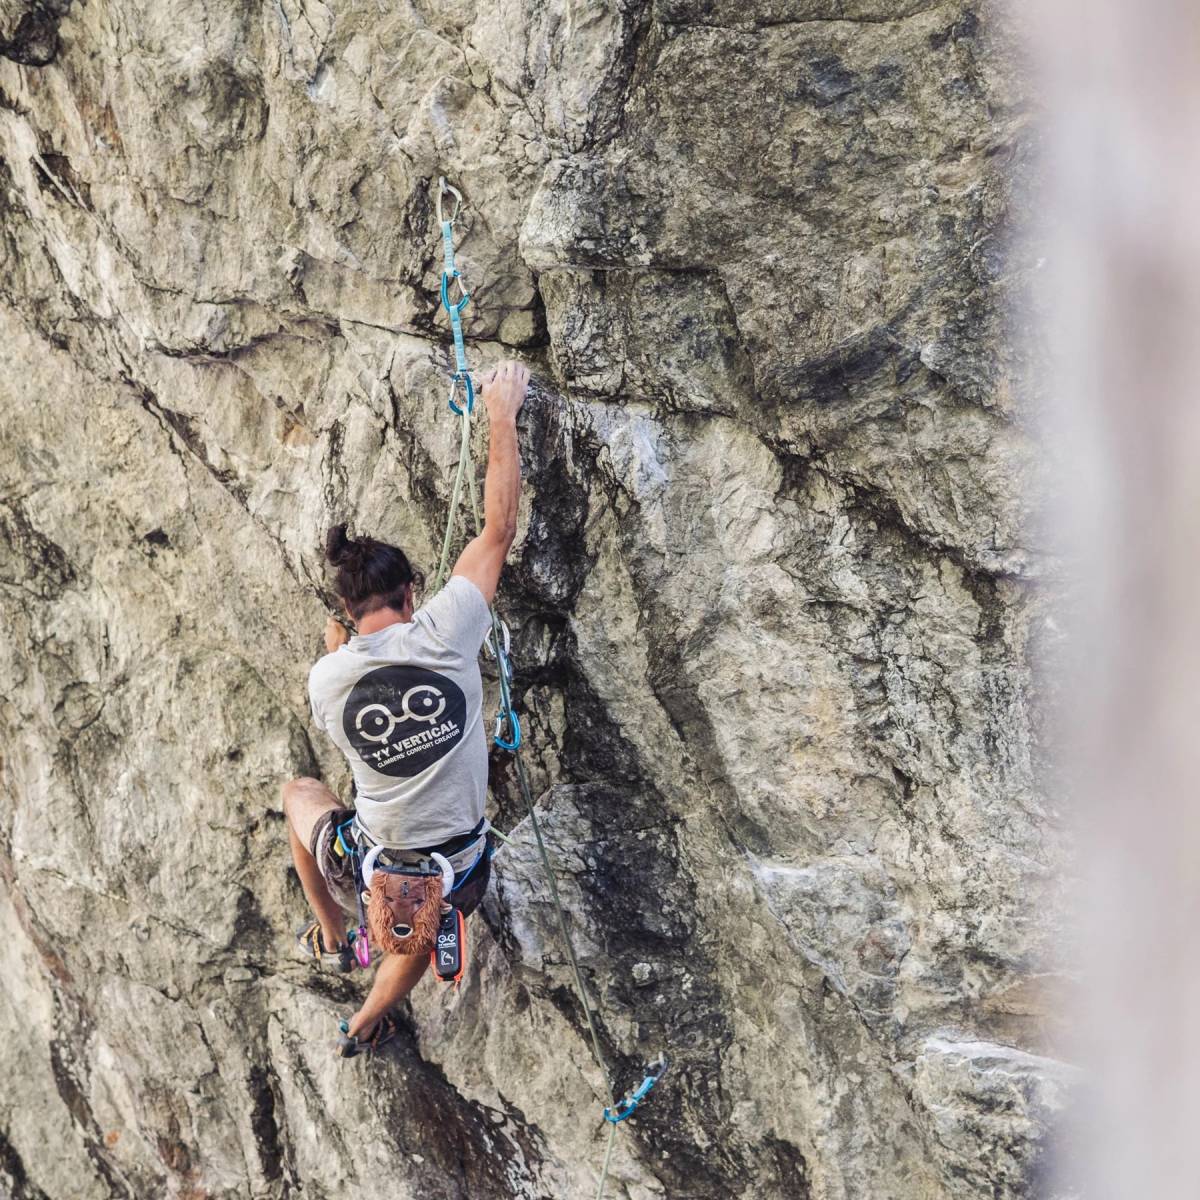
[310, 941]
[349, 1046]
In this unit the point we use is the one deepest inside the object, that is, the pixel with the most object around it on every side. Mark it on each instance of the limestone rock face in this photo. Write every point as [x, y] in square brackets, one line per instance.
[777, 597]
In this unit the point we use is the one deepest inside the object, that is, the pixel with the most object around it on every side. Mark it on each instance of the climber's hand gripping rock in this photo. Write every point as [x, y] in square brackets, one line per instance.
[504, 389]
[336, 635]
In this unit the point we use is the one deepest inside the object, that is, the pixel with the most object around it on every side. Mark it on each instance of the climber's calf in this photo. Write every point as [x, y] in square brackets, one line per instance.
[314, 814]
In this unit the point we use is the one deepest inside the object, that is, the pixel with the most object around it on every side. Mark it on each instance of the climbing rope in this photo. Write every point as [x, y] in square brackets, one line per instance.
[507, 733]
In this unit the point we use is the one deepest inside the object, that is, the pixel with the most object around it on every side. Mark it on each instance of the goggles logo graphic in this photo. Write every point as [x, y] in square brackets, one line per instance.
[401, 719]
[377, 722]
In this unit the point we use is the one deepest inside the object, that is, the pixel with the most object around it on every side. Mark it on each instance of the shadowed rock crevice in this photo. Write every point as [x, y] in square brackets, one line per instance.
[30, 35]
[14, 1176]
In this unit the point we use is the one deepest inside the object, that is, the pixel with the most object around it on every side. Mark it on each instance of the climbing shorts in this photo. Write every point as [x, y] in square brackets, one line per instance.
[336, 869]
[470, 884]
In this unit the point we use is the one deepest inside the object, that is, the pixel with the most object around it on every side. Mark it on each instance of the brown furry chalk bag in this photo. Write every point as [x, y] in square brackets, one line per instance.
[404, 904]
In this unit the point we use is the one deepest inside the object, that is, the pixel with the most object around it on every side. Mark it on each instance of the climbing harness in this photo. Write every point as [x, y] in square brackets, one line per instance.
[507, 733]
[412, 872]
[463, 854]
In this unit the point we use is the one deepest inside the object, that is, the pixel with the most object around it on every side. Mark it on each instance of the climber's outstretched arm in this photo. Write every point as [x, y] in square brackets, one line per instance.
[396, 976]
[483, 557]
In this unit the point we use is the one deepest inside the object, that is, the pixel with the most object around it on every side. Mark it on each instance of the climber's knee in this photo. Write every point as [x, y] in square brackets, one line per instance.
[304, 801]
[290, 791]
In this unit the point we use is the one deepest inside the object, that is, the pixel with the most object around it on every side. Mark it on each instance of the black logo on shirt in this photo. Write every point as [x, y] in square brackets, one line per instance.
[401, 720]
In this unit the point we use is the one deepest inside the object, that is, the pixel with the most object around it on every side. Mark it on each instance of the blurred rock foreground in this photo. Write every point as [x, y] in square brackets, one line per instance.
[776, 598]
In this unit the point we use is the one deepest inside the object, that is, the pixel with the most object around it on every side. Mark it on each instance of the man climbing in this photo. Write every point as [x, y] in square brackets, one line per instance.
[403, 700]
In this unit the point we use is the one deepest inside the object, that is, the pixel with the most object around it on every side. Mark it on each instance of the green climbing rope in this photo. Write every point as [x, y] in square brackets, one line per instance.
[464, 459]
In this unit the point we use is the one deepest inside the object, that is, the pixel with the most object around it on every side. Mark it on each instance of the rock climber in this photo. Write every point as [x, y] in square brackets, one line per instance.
[403, 700]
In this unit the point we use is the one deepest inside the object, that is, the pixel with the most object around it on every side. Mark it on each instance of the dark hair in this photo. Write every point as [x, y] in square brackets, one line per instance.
[370, 574]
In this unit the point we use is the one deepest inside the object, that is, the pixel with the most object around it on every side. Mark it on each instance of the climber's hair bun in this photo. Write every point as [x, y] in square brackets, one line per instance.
[370, 574]
[341, 550]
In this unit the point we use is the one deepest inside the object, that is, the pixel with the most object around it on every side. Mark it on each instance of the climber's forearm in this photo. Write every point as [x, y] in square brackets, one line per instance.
[503, 393]
[395, 977]
[483, 558]
[502, 487]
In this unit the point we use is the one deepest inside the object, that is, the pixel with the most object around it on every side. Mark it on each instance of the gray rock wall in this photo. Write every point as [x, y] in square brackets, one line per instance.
[775, 599]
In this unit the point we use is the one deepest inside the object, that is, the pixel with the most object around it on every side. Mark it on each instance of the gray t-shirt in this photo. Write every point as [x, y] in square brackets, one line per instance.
[405, 706]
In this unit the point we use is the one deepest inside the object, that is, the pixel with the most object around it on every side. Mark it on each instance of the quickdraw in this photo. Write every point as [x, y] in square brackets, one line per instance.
[451, 277]
[627, 1106]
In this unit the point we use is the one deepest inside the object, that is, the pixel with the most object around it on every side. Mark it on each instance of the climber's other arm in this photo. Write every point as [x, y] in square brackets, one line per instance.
[482, 559]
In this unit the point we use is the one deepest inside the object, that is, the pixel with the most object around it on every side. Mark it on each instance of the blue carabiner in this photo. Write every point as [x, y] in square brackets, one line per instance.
[347, 847]
[463, 377]
[466, 296]
[513, 745]
[626, 1107]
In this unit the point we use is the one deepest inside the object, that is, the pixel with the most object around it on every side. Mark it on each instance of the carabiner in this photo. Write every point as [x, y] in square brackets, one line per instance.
[505, 665]
[464, 378]
[443, 188]
[490, 644]
[627, 1106]
[360, 941]
[514, 743]
[462, 291]
[344, 847]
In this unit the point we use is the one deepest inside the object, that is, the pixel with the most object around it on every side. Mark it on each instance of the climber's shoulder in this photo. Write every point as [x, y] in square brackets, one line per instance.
[328, 667]
[457, 615]
[459, 597]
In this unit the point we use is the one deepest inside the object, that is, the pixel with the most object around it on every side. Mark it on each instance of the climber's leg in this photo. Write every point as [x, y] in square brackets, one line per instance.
[305, 802]
[397, 975]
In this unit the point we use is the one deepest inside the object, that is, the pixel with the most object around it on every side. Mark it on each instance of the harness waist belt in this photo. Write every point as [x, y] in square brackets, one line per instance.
[464, 850]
